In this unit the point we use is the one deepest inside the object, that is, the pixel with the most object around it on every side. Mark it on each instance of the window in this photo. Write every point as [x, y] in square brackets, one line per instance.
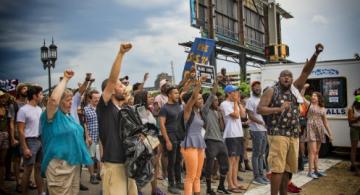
[332, 89]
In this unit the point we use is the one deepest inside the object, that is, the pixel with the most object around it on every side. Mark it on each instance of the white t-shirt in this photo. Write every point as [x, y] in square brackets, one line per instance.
[30, 115]
[251, 105]
[233, 127]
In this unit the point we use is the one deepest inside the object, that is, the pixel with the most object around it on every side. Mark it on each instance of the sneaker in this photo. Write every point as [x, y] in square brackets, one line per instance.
[93, 180]
[98, 177]
[222, 190]
[265, 179]
[320, 174]
[173, 190]
[210, 192]
[83, 188]
[158, 192]
[179, 186]
[259, 181]
[292, 189]
[312, 175]
[294, 186]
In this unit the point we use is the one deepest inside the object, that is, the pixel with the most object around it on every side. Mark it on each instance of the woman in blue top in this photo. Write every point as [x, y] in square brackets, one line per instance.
[193, 147]
[63, 142]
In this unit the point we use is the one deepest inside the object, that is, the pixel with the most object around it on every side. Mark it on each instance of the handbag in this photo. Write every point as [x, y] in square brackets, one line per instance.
[303, 119]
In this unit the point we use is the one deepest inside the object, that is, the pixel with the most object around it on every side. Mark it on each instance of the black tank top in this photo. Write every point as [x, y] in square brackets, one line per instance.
[285, 123]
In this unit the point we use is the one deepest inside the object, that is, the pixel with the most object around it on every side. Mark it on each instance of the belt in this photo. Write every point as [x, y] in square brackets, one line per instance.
[29, 138]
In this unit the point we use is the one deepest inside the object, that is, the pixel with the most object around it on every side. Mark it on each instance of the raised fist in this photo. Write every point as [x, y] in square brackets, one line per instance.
[125, 47]
[319, 48]
[68, 74]
[307, 85]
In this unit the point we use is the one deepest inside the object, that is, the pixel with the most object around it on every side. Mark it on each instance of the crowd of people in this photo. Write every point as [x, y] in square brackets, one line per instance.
[201, 133]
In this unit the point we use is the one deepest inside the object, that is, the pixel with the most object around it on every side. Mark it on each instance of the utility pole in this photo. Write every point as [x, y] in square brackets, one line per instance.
[212, 31]
[172, 72]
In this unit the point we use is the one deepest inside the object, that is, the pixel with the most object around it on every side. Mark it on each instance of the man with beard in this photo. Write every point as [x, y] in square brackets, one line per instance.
[28, 121]
[281, 104]
[14, 151]
[258, 134]
[169, 116]
[115, 180]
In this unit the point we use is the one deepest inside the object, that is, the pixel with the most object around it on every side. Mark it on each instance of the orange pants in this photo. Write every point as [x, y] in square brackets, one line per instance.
[194, 160]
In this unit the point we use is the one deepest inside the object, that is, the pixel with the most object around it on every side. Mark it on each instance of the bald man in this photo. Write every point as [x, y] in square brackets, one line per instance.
[282, 107]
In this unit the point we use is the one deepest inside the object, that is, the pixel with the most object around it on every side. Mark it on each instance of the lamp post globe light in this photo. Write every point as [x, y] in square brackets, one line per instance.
[48, 58]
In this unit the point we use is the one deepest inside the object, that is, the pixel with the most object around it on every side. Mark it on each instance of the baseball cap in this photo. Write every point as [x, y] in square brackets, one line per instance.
[1, 93]
[254, 83]
[162, 82]
[230, 88]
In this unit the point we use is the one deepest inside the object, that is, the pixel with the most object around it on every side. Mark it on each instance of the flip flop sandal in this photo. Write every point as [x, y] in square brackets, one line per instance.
[241, 188]
[234, 190]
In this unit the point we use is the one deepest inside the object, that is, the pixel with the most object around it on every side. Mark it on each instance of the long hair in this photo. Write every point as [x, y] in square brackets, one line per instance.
[140, 98]
[320, 99]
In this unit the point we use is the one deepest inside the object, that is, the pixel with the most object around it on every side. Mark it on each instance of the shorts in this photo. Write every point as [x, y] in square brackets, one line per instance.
[95, 151]
[283, 154]
[4, 140]
[115, 181]
[354, 133]
[235, 146]
[215, 148]
[35, 147]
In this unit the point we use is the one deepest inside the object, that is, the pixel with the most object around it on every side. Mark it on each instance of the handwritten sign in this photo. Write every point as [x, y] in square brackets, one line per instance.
[208, 71]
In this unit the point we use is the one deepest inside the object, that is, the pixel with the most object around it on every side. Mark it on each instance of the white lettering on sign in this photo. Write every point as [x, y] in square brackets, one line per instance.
[335, 111]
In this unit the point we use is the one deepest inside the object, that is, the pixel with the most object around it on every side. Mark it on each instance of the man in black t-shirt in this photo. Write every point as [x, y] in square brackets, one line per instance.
[114, 178]
[169, 116]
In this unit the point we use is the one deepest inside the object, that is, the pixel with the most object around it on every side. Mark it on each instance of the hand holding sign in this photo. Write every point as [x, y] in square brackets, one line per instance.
[206, 73]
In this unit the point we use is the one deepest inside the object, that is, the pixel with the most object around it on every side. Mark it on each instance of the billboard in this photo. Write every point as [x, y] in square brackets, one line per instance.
[200, 52]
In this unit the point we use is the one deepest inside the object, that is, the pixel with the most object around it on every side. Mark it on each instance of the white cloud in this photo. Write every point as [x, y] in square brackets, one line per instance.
[153, 49]
[319, 19]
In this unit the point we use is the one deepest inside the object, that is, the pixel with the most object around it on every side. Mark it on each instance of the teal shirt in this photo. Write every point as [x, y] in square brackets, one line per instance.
[63, 139]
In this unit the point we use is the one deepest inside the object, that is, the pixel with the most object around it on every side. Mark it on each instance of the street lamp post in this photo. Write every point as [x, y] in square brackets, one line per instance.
[48, 59]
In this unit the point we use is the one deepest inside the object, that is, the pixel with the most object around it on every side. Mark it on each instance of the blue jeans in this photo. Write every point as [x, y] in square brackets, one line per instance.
[259, 140]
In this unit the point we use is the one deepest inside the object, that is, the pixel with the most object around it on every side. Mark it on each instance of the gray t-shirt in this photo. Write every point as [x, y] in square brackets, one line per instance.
[251, 105]
[171, 113]
[212, 118]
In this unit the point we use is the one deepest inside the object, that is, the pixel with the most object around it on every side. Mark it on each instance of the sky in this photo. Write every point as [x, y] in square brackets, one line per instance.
[88, 35]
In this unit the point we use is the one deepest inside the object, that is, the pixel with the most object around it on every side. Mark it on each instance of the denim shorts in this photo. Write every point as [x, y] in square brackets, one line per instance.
[35, 147]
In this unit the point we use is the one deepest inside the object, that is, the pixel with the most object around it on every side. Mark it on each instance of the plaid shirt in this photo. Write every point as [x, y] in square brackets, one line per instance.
[92, 122]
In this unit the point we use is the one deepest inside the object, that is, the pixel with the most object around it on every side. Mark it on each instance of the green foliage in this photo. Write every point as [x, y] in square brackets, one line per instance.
[245, 89]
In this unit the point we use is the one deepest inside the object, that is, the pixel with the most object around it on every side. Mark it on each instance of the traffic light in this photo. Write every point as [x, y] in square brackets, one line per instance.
[277, 52]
